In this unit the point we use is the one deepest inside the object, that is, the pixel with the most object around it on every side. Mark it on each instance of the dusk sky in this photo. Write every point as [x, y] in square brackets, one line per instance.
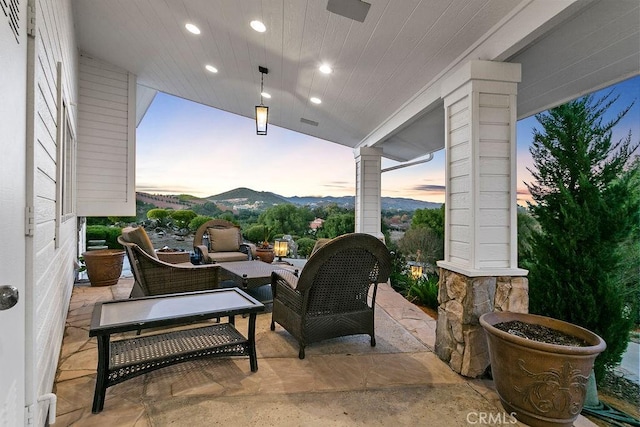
[185, 147]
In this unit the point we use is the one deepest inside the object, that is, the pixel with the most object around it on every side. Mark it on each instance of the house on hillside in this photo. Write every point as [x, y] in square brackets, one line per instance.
[316, 223]
[407, 80]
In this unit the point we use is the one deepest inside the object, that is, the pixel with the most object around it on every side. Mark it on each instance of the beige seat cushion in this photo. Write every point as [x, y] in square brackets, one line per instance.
[138, 236]
[227, 256]
[224, 239]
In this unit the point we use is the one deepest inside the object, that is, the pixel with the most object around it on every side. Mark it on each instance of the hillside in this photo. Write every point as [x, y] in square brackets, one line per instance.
[246, 198]
[388, 203]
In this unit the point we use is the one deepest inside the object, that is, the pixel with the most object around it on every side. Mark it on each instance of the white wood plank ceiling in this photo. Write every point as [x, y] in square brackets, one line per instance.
[379, 66]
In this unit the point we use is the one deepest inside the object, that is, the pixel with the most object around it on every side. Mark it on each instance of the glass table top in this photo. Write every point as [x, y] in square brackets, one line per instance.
[172, 307]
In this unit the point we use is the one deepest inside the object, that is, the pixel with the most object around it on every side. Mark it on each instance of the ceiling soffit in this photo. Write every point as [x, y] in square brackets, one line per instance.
[385, 87]
[378, 65]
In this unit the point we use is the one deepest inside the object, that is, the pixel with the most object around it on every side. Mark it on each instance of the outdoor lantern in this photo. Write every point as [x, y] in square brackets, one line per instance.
[416, 271]
[280, 248]
[262, 118]
[262, 111]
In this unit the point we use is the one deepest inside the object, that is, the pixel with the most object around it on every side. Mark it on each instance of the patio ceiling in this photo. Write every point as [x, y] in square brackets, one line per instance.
[384, 89]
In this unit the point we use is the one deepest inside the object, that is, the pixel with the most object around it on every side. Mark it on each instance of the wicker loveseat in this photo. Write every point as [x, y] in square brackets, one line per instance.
[335, 293]
[155, 277]
[219, 240]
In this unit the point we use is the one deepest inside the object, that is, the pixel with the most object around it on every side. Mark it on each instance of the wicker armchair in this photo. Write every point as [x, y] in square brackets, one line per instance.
[219, 240]
[155, 277]
[332, 297]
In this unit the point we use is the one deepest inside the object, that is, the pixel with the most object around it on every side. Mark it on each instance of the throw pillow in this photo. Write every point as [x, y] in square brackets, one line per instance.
[224, 239]
[138, 236]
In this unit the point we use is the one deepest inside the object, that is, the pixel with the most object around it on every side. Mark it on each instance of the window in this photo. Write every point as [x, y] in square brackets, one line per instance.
[67, 167]
[65, 161]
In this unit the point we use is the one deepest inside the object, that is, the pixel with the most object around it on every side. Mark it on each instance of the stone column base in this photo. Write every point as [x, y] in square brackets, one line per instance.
[460, 340]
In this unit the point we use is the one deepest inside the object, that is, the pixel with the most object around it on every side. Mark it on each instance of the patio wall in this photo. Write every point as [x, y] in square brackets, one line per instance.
[51, 245]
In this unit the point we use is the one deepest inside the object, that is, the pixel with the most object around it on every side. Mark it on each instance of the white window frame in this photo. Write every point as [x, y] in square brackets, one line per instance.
[65, 160]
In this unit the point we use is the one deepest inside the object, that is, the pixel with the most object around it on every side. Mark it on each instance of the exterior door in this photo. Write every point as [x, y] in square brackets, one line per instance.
[13, 77]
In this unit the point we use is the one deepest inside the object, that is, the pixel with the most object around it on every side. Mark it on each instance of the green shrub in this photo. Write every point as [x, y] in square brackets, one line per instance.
[400, 280]
[255, 233]
[107, 233]
[162, 216]
[424, 291]
[305, 245]
[183, 217]
[196, 222]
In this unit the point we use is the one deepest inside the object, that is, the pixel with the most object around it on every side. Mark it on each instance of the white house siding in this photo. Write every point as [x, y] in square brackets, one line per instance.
[494, 189]
[50, 278]
[458, 205]
[480, 117]
[106, 140]
[368, 187]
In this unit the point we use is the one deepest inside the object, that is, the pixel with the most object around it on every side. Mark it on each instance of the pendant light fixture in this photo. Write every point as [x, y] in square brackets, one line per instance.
[262, 111]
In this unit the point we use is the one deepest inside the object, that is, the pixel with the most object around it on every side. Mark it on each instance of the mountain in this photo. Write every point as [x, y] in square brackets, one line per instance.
[246, 198]
[388, 203]
[264, 199]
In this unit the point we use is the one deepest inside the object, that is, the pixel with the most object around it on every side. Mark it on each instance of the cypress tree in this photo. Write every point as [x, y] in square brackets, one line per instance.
[585, 207]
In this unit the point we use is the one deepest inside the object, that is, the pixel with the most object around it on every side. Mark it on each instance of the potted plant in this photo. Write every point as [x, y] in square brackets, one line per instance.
[541, 381]
[264, 250]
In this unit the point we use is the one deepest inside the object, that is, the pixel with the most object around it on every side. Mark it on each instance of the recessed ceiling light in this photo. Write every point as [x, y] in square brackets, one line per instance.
[265, 95]
[326, 69]
[192, 29]
[211, 68]
[315, 100]
[258, 26]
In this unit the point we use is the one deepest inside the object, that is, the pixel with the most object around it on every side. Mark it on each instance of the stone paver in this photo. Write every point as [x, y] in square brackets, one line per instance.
[341, 382]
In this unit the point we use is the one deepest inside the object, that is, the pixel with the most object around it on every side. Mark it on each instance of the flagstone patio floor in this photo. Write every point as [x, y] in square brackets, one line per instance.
[341, 382]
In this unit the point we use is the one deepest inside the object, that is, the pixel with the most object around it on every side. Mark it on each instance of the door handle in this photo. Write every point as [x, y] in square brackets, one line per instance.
[8, 297]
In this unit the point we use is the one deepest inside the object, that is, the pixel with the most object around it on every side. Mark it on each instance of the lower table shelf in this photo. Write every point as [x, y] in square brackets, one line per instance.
[135, 356]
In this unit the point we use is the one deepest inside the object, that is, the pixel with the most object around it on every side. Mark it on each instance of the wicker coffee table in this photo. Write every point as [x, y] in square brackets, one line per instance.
[127, 358]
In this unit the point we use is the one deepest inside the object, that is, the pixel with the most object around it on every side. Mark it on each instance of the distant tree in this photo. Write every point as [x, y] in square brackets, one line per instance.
[337, 224]
[257, 233]
[425, 240]
[196, 222]
[228, 216]
[431, 218]
[207, 209]
[305, 245]
[183, 217]
[287, 219]
[161, 216]
[585, 207]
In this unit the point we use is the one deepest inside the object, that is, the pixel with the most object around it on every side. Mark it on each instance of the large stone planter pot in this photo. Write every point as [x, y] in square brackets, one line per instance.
[104, 266]
[540, 384]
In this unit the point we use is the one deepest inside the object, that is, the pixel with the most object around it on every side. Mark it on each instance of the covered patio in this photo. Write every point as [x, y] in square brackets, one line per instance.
[342, 382]
[409, 79]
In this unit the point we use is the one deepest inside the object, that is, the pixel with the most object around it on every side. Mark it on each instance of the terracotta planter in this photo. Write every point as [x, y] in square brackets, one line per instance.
[540, 384]
[265, 254]
[104, 266]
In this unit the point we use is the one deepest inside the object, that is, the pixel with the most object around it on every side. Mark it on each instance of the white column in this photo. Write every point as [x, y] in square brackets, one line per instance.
[480, 141]
[368, 188]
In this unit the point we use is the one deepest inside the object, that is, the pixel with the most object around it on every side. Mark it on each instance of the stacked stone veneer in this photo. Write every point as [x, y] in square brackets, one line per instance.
[460, 340]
